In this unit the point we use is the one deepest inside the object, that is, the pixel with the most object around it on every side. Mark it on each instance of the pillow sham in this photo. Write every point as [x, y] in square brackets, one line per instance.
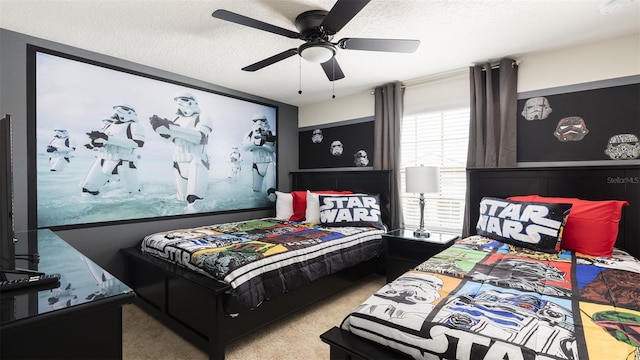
[591, 227]
[533, 225]
[350, 210]
[300, 202]
[284, 205]
[299, 205]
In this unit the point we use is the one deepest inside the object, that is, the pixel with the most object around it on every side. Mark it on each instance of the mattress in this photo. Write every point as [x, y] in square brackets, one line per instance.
[263, 258]
[484, 299]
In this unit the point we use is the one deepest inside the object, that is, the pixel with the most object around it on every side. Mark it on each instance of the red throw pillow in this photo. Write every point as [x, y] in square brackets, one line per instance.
[300, 202]
[591, 227]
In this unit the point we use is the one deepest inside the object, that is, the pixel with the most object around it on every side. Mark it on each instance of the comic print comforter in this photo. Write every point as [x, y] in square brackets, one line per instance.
[263, 258]
[483, 299]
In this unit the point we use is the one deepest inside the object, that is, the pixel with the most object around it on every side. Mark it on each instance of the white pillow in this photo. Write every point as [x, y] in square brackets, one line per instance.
[312, 214]
[284, 205]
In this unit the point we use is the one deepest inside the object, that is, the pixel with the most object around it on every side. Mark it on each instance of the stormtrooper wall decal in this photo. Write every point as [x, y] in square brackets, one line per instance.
[537, 108]
[316, 136]
[345, 145]
[337, 148]
[623, 147]
[572, 128]
[582, 122]
[361, 158]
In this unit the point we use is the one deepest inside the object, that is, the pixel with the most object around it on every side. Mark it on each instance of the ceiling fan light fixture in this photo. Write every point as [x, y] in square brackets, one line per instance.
[317, 53]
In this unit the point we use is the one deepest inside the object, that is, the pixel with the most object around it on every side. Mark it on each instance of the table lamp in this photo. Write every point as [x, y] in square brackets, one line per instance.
[422, 179]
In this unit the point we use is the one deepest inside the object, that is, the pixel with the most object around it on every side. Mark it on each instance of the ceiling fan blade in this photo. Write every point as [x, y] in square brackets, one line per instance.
[271, 60]
[256, 24]
[388, 45]
[341, 13]
[332, 69]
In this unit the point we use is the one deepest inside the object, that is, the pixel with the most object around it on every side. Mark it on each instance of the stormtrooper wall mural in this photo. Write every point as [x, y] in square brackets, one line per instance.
[128, 146]
[597, 121]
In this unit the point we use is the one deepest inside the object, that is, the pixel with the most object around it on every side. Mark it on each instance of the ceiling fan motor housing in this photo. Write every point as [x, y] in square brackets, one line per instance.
[309, 25]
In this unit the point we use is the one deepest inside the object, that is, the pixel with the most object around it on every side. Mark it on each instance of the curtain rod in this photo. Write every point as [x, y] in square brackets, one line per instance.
[514, 63]
[494, 65]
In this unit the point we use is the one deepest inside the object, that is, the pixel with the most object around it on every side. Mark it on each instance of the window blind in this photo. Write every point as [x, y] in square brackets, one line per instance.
[436, 138]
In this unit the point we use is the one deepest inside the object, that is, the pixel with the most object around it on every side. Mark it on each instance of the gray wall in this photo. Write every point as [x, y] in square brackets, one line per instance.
[102, 243]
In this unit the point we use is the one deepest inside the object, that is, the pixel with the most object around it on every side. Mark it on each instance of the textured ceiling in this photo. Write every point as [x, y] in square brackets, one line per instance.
[182, 37]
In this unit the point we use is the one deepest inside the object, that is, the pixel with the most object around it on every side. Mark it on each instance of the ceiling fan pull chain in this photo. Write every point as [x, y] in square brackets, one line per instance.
[300, 75]
[333, 83]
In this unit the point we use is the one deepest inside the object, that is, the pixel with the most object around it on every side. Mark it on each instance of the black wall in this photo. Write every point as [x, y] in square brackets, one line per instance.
[102, 243]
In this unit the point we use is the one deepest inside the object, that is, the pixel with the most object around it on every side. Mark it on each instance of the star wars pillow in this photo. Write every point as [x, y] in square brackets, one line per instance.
[592, 226]
[300, 203]
[351, 210]
[534, 225]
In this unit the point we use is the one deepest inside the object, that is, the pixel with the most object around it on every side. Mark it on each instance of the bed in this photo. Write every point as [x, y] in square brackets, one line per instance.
[216, 283]
[497, 295]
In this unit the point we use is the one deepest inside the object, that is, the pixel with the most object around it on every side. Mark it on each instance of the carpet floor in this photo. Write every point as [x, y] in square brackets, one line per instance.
[297, 337]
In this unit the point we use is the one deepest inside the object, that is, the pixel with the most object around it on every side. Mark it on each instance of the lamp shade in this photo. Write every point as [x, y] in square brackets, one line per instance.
[423, 179]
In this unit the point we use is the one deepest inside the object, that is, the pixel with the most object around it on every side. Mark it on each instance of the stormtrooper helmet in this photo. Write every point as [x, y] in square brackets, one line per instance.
[61, 133]
[536, 108]
[316, 136]
[336, 148]
[361, 158]
[260, 124]
[623, 147]
[124, 113]
[572, 128]
[187, 104]
[234, 156]
[412, 290]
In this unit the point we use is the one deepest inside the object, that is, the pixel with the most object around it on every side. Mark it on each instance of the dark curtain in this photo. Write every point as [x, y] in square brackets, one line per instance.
[386, 146]
[492, 128]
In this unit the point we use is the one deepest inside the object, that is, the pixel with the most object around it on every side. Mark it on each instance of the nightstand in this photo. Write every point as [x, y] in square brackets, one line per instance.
[405, 251]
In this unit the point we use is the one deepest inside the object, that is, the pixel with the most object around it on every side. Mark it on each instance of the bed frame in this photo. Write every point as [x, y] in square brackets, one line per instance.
[192, 305]
[590, 183]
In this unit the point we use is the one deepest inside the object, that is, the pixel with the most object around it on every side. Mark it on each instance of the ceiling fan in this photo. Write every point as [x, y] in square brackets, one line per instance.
[317, 28]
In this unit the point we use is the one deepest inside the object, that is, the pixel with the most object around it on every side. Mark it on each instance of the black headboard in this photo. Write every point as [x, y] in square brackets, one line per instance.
[358, 181]
[589, 183]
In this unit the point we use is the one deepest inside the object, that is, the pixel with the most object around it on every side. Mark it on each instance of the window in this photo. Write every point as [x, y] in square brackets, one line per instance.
[437, 138]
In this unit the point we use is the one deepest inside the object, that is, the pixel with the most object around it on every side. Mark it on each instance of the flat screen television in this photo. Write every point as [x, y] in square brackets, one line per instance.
[7, 246]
